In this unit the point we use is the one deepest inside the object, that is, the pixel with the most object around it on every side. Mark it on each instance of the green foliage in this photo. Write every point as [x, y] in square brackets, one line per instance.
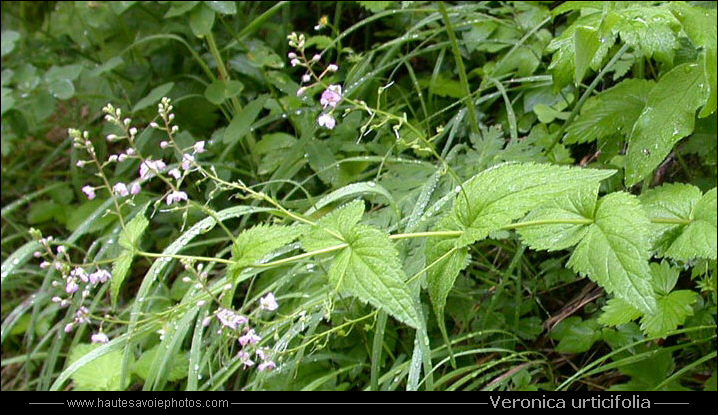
[101, 374]
[129, 239]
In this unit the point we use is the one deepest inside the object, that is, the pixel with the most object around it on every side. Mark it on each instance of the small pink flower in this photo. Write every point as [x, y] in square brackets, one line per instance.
[71, 287]
[100, 338]
[121, 189]
[326, 120]
[268, 302]
[199, 147]
[80, 273]
[306, 77]
[89, 191]
[332, 67]
[175, 173]
[176, 196]
[294, 62]
[134, 188]
[249, 338]
[187, 160]
[101, 276]
[230, 319]
[331, 96]
[164, 144]
[265, 366]
[149, 167]
[244, 358]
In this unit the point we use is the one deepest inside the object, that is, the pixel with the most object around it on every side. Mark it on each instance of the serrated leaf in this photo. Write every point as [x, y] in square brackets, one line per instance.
[154, 96]
[669, 116]
[101, 374]
[129, 237]
[577, 206]
[255, 243]
[614, 251]
[497, 196]
[333, 226]
[652, 30]
[369, 269]
[201, 20]
[611, 113]
[700, 25]
[696, 236]
[664, 277]
[242, 122]
[672, 311]
[446, 261]
[617, 312]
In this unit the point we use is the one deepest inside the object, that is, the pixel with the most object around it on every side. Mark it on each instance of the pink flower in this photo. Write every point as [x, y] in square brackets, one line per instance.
[244, 358]
[199, 147]
[121, 189]
[71, 287]
[100, 338]
[89, 191]
[187, 160]
[134, 188]
[332, 68]
[249, 338]
[268, 302]
[175, 173]
[176, 196]
[326, 120]
[331, 96]
[265, 366]
[230, 319]
[101, 276]
[149, 167]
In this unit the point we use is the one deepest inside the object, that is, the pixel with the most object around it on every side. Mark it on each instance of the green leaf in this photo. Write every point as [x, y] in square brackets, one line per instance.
[614, 251]
[255, 243]
[575, 335]
[62, 89]
[201, 19]
[497, 196]
[700, 25]
[664, 277]
[154, 96]
[652, 30]
[673, 309]
[646, 374]
[179, 8]
[586, 43]
[369, 269]
[129, 237]
[669, 116]
[612, 113]
[493, 199]
[375, 6]
[7, 44]
[242, 122]
[220, 90]
[617, 312]
[332, 226]
[223, 7]
[577, 206]
[101, 374]
[179, 370]
[696, 237]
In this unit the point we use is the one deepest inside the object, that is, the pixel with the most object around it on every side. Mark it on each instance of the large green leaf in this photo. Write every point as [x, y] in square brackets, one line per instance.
[493, 199]
[100, 374]
[499, 195]
[611, 113]
[693, 233]
[673, 309]
[614, 252]
[700, 25]
[669, 116]
[242, 122]
[257, 242]
[368, 267]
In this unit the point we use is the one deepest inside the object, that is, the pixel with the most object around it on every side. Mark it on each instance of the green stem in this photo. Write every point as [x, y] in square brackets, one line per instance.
[462, 71]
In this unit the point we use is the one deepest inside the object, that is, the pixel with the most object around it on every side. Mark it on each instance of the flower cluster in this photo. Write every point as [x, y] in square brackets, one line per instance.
[331, 95]
[248, 337]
